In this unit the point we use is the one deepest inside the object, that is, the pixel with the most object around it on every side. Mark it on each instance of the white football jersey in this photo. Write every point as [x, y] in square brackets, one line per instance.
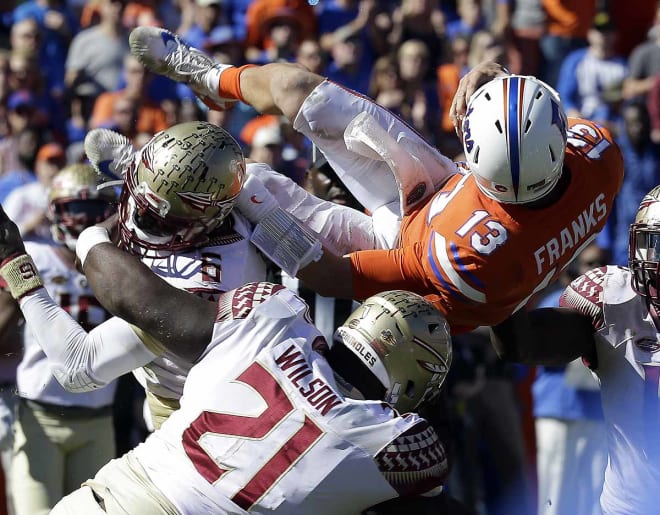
[263, 426]
[68, 288]
[227, 262]
[628, 368]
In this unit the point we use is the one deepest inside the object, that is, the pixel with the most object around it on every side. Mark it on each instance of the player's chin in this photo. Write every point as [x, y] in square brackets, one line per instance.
[342, 200]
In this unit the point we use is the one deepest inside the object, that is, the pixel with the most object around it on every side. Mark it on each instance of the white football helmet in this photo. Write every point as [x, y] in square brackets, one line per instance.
[514, 138]
[179, 188]
[644, 248]
[403, 340]
[75, 202]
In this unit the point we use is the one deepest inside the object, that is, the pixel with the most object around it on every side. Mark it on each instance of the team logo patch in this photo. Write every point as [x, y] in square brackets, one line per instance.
[200, 201]
[648, 344]
[416, 194]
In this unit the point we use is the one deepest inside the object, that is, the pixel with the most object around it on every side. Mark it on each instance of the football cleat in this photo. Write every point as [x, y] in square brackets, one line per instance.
[167, 54]
[109, 152]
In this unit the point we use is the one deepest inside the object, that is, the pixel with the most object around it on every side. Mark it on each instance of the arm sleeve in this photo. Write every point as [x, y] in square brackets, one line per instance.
[415, 469]
[585, 295]
[82, 361]
[341, 229]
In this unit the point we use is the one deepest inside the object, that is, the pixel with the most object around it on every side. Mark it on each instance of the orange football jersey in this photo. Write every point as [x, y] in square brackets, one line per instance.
[479, 260]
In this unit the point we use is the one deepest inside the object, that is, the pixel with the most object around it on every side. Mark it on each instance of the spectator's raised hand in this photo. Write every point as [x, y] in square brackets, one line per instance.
[475, 78]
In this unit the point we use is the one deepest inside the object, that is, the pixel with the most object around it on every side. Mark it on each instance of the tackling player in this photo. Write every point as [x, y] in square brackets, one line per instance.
[175, 213]
[476, 241]
[271, 419]
[609, 316]
[61, 438]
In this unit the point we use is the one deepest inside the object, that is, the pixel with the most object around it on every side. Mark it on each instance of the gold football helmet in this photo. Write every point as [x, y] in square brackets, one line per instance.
[180, 187]
[75, 202]
[644, 248]
[404, 342]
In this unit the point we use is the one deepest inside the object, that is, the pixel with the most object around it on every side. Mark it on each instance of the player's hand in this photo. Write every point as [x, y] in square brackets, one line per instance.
[10, 238]
[474, 79]
[255, 202]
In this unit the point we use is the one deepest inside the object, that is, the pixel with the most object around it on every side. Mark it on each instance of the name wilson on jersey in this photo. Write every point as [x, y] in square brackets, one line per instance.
[317, 393]
[572, 235]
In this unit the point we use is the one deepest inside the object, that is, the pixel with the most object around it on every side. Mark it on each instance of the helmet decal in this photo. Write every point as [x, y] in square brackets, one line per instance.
[200, 201]
[512, 118]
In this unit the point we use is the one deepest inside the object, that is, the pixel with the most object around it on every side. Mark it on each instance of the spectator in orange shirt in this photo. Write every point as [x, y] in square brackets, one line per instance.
[567, 24]
[151, 118]
[261, 10]
[449, 75]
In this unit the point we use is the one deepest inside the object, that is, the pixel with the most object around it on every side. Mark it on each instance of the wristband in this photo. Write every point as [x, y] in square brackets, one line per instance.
[21, 275]
[89, 238]
[286, 242]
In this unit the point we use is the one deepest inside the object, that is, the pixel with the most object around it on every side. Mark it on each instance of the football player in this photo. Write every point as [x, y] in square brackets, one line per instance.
[609, 317]
[477, 240]
[61, 438]
[175, 214]
[271, 419]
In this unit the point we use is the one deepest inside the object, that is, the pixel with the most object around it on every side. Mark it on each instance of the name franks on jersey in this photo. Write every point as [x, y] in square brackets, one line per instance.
[572, 236]
[319, 395]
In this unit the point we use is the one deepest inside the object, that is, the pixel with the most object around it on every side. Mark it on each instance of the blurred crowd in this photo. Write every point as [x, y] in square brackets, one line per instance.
[65, 68]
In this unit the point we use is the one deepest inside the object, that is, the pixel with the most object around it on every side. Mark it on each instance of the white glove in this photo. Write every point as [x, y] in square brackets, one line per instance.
[255, 202]
[277, 233]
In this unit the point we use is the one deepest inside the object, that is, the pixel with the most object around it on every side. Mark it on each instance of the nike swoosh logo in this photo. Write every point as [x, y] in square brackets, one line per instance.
[255, 200]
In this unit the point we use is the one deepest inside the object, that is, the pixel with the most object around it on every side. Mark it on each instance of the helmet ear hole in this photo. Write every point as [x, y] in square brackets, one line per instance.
[476, 155]
[410, 389]
[499, 126]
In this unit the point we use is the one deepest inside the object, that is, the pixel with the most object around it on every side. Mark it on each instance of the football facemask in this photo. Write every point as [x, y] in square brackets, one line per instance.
[75, 202]
[180, 187]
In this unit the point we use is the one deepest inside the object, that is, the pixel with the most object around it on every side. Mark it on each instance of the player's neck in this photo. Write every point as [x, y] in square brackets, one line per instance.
[556, 192]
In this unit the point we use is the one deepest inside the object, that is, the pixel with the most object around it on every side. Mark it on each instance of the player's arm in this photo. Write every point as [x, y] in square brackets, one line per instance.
[180, 321]
[10, 317]
[544, 336]
[364, 273]
[83, 361]
[421, 470]
[556, 336]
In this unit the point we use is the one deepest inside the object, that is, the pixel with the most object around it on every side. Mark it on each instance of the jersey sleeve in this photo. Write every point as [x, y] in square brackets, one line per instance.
[374, 271]
[415, 462]
[585, 295]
